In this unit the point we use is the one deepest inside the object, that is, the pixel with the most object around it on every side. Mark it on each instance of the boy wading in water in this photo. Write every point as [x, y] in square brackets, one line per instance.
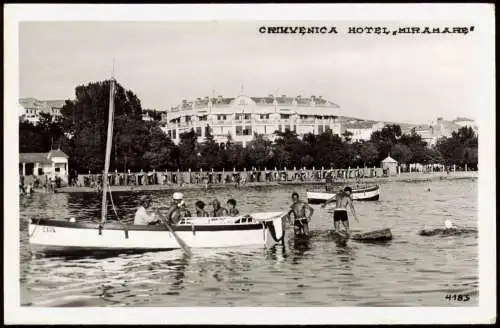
[343, 200]
[301, 219]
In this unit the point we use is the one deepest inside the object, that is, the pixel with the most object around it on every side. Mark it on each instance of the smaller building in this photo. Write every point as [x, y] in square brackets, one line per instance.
[52, 164]
[362, 130]
[390, 164]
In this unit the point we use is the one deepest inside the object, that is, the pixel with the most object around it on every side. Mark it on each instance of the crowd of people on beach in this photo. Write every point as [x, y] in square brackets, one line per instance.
[220, 178]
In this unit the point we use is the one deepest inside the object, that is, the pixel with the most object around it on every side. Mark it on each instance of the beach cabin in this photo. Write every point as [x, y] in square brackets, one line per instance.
[391, 165]
[52, 164]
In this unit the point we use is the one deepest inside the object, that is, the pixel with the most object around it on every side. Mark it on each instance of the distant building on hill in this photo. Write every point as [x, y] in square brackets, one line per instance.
[441, 128]
[242, 116]
[361, 130]
[463, 121]
[31, 108]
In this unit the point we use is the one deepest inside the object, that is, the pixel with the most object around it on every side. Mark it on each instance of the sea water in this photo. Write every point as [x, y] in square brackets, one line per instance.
[410, 270]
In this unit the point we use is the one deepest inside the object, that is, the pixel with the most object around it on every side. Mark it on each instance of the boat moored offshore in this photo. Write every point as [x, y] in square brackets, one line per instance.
[368, 193]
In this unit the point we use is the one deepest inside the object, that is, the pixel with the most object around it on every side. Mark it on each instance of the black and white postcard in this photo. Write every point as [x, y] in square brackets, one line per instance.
[249, 164]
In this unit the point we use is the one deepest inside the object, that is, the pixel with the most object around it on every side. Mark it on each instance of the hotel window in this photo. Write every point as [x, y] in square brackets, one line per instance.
[174, 134]
[202, 118]
[247, 131]
[239, 130]
[188, 118]
[57, 169]
[327, 128]
[295, 128]
[198, 131]
[264, 116]
[285, 116]
[248, 116]
[207, 131]
[287, 127]
[40, 171]
[237, 117]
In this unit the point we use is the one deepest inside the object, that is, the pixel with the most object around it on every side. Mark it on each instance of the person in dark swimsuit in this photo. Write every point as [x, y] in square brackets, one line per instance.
[301, 218]
[343, 200]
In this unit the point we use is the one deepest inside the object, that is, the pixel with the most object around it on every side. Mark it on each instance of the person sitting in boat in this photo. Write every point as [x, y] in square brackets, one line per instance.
[142, 216]
[301, 218]
[231, 205]
[178, 209]
[200, 209]
[217, 210]
[343, 200]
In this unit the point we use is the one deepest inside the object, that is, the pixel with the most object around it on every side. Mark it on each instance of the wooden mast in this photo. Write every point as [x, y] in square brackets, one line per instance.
[108, 149]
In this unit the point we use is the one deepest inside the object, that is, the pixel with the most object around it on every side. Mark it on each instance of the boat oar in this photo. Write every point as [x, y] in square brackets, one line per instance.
[181, 242]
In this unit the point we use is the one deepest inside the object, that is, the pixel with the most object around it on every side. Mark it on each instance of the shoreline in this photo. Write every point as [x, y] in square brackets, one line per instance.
[404, 177]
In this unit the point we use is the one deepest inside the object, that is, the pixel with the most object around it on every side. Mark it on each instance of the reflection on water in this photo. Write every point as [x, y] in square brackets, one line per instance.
[410, 270]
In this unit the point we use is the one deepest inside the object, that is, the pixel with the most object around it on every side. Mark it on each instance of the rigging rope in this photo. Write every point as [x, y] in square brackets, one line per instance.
[124, 225]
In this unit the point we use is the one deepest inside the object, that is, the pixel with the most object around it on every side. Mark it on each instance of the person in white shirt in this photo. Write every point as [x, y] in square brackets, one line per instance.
[142, 217]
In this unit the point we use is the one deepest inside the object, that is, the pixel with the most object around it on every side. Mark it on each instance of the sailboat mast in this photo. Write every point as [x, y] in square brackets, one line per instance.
[108, 149]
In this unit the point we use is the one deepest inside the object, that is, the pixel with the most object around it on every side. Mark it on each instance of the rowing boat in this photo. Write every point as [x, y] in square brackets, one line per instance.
[62, 236]
[369, 193]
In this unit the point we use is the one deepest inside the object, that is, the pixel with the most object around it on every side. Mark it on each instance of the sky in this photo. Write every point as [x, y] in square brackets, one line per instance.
[410, 78]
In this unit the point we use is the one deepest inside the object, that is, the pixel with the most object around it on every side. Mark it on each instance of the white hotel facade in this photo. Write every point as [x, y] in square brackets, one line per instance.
[243, 116]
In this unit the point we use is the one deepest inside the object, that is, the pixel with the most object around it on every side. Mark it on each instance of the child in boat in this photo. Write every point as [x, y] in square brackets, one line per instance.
[231, 204]
[217, 210]
[200, 209]
[301, 218]
[142, 216]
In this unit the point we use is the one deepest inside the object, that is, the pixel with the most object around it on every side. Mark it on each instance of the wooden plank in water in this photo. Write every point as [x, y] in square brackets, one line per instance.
[373, 236]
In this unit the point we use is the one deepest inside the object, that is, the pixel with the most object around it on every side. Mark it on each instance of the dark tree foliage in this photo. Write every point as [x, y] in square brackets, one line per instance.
[461, 148]
[81, 132]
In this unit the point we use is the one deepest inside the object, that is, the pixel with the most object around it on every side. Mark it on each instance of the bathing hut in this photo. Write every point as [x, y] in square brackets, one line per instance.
[390, 164]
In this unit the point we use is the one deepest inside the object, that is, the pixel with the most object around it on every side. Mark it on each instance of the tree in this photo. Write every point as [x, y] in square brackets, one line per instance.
[86, 119]
[347, 136]
[161, 152]
[260, 149]
[288, 149]
[368, 153]
[460, 148]
[401, 153]
[210, 153]
[385, 139]
[189, 151]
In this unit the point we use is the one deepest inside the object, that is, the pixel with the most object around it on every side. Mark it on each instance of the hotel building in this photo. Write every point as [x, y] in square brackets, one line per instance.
[241, 117]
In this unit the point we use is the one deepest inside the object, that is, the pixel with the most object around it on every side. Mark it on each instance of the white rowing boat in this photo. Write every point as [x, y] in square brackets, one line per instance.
[368, 193]
[60, 236]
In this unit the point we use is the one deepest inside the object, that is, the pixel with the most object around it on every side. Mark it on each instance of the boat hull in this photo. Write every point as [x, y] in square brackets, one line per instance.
[367, 194]
[49, 235]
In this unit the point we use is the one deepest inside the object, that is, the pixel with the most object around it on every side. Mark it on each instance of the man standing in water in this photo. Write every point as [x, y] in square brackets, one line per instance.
[343, 200]
[301, 219]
